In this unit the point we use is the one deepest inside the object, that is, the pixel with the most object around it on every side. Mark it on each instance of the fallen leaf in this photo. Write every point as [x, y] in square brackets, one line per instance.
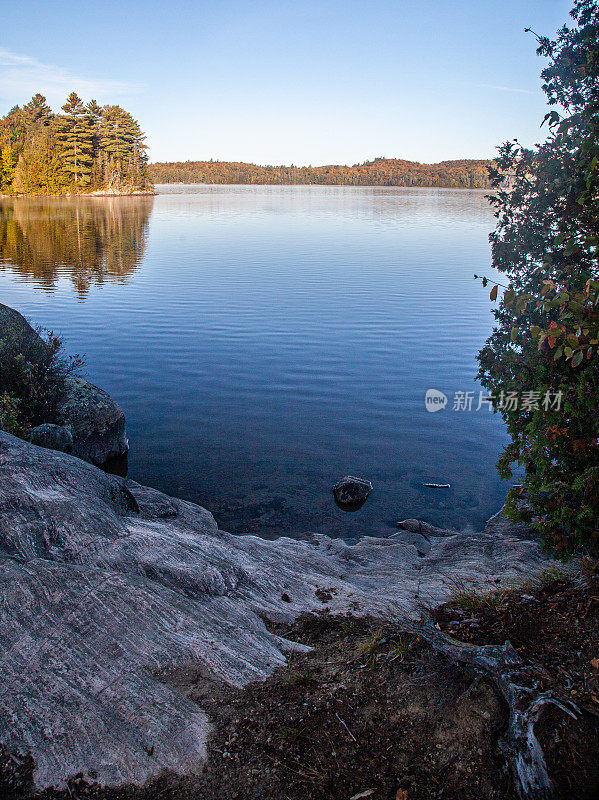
[365, 793]
[401, 795]
[595, 699]
[595, 664]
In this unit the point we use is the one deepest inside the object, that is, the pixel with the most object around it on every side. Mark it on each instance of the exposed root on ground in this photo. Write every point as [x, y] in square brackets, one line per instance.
[519, 684]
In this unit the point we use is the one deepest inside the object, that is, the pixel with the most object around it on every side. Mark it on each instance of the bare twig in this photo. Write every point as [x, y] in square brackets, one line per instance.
[346, 728]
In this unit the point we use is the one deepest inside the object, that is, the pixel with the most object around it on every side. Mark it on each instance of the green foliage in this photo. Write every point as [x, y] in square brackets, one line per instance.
[547, 335]
[87, 148]
[10, 417]
[467, 174]
[39, 167]
[32, 377]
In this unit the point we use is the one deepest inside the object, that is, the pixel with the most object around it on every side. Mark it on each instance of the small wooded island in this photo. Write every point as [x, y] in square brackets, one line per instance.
[87, 149]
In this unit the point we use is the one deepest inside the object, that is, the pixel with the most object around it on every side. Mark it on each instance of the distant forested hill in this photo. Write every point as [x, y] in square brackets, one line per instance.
[380, 172]
[86, 148]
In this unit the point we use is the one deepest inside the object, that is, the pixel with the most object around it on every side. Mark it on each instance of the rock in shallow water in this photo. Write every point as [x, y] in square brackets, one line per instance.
[422, 528]
[95, 421]
[97, 424]
[351, 493]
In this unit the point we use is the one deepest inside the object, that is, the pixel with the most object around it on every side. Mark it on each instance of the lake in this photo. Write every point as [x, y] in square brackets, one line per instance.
[265, 341]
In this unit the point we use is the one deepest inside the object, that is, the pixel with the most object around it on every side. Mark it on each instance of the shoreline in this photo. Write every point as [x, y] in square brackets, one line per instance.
[144, 559]
[330, 186]
[98, 193]
[154, 193]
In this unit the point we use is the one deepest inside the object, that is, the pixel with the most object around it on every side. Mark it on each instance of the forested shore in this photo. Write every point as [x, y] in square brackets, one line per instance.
[466, 174]
[93, 149]
[86, 149]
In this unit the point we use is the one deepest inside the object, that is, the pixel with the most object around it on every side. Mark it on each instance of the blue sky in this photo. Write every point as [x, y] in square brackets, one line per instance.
[306, 82]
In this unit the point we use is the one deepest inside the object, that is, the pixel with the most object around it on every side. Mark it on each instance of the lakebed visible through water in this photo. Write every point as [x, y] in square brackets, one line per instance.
[265, 341]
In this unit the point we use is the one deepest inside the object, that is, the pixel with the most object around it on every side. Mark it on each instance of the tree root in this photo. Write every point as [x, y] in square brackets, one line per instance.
[519, 685]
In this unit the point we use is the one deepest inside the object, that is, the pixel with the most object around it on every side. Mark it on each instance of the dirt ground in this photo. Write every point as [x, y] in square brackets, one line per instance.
[373, 712]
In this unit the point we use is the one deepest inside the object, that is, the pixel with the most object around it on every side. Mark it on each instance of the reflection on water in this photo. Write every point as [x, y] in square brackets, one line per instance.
[90, 240]
[266, 341]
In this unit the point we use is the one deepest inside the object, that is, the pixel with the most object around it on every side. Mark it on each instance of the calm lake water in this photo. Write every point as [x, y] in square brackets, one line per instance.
[266, 341]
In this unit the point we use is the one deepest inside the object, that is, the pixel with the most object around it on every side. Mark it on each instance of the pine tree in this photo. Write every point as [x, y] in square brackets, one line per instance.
[94, 118]
[36, 110]
[77, 137]
[124, 144]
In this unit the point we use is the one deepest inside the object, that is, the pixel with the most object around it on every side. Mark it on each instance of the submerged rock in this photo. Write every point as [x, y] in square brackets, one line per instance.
[54, 437]
[422, 528]
[351, 493]
[103, 583]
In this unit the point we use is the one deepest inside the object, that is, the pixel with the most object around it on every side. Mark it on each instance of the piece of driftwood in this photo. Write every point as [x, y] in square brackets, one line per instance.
[520, 687]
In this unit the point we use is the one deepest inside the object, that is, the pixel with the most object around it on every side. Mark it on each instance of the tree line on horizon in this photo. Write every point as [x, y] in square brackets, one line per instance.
[86, 148]
[465, 174]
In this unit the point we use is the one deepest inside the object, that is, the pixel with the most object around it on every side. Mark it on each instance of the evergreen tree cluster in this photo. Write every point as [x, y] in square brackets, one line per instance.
[86, 148]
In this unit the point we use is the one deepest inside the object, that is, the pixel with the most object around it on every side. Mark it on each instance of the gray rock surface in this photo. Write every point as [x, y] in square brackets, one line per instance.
[418, 540]
[96, 422]
[53, 437]
[499, 525]
[104, 582]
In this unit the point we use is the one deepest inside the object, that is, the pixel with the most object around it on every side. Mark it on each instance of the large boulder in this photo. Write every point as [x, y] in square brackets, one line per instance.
[103, 583]
[53, 437]
[14, 327]
[97, 425]
[94, 420]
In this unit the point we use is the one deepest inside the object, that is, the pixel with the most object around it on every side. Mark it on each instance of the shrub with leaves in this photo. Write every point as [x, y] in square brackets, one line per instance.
[546, 342]
[32, 378]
